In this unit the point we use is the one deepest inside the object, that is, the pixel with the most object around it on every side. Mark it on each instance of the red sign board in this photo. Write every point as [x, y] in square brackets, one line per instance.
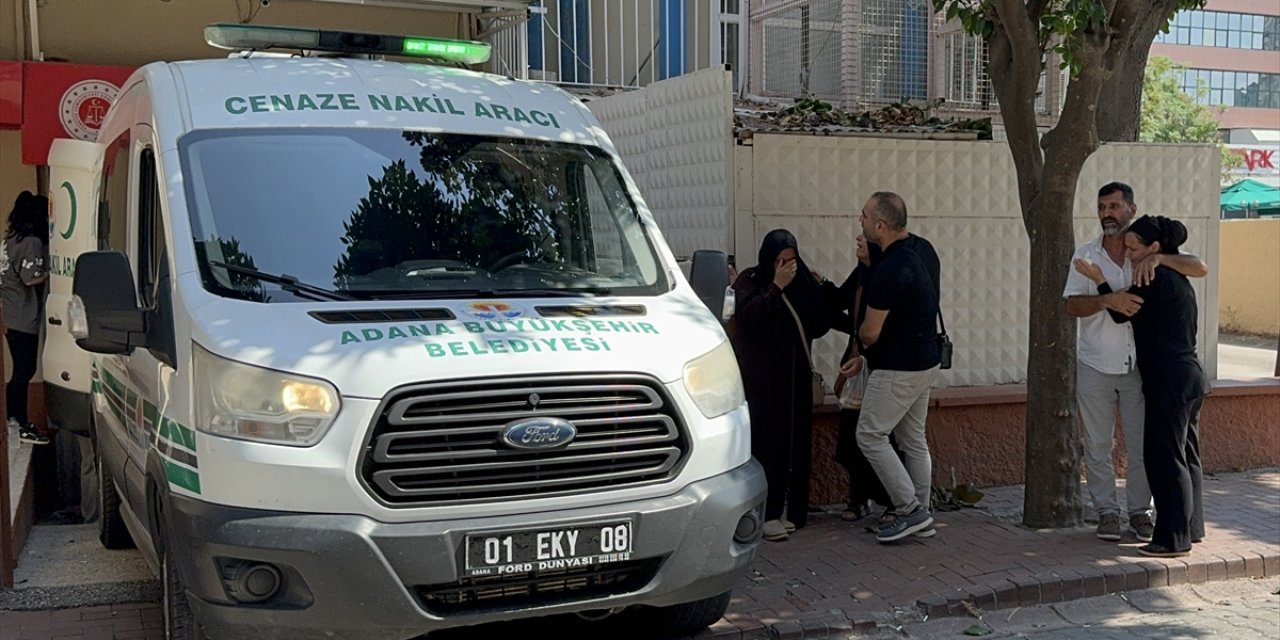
[64, 101]
[10, 94]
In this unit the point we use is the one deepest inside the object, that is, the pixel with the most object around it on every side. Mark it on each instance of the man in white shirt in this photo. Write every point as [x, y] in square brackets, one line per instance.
[1106, 363]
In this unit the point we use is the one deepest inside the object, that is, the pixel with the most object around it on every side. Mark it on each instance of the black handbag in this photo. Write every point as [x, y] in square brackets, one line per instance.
[944, 343]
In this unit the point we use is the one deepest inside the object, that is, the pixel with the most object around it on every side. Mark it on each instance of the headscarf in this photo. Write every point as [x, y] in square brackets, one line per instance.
[1170, 233]
[775, 242]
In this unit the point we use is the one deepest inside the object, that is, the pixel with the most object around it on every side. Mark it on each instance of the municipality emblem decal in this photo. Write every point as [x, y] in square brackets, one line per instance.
[493, 310]
[84, 106]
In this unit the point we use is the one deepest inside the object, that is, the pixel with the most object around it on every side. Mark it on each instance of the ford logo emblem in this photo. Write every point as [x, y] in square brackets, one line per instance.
[538, 433]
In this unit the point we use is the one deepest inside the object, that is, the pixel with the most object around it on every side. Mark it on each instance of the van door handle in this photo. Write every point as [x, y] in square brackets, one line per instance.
[55, 321]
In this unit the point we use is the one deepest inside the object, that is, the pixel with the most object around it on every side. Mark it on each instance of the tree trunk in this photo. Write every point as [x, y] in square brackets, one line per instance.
[1053, 497]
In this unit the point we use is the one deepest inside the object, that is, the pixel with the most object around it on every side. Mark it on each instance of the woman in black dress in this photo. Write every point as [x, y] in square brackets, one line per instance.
[864, 485]
[771, 352]
[1173, 381]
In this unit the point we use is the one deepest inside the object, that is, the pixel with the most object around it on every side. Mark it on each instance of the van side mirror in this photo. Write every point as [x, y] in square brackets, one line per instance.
[709, 276]
[104, 286]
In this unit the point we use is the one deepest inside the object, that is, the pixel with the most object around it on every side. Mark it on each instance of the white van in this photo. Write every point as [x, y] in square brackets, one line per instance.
[382, 348]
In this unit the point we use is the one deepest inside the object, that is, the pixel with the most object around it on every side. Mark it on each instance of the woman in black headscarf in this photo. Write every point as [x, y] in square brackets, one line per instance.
[1173, 381]
[775, 366]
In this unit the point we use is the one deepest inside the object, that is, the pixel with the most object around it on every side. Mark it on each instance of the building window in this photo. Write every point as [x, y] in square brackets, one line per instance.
[801, 50]
[1222, 29]
[1232, 88]
[895, 50]
[673, 27]
[575, 41]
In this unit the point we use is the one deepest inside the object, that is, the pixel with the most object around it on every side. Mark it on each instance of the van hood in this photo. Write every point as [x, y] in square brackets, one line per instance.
[366, 349]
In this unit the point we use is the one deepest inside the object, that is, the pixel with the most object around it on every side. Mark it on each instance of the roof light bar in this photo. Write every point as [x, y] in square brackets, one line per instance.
[258, 37]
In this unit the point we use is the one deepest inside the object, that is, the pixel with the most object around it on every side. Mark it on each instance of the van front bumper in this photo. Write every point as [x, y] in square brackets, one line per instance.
[348, 576]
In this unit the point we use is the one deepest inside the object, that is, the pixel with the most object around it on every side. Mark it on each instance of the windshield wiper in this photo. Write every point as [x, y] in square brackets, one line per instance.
[286, 282]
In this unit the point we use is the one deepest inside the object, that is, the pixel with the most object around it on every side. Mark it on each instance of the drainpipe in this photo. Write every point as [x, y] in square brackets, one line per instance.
[33, 32]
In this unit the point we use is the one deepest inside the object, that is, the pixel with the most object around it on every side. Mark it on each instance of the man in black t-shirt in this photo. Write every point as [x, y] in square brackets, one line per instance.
[901, 346]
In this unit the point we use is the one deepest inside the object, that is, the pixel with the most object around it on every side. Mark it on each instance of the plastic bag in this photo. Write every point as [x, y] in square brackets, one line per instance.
[851, 392]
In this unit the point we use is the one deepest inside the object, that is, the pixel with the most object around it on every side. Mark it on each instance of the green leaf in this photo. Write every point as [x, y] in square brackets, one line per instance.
[978, 630]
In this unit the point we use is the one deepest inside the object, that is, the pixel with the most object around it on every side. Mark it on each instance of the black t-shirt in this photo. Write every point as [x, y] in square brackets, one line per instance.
[905, 284]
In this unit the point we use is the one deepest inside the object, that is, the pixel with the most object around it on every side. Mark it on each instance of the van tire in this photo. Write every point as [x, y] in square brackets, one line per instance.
[686, 619]
[111, 529]
[179, 622]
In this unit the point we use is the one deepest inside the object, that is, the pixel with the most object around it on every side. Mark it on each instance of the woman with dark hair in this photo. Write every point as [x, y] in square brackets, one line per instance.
[24, 257]
[780, 311]
[1173, 381]
[864, 485]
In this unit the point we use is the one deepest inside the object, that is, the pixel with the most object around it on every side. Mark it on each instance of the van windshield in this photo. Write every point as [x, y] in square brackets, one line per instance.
[287, 215]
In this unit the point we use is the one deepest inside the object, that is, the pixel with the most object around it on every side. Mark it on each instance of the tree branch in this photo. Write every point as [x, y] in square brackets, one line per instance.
[1022, 32]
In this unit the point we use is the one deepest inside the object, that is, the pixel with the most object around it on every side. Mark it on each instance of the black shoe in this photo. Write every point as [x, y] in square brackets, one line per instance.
[31, 436]
[1161, 551]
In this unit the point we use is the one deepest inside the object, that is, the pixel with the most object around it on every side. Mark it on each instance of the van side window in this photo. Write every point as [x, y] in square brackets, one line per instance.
[113, 209]
[151, 242]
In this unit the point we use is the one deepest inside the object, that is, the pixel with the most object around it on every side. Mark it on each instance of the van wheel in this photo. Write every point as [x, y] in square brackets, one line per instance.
[179, 622]
[687, 619]
[111, 529]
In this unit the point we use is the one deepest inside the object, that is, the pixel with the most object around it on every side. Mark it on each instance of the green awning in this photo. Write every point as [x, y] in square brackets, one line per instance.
[1250, 194]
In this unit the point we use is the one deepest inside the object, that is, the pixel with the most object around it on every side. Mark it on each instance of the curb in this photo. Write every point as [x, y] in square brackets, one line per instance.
[1087, 582]
[1045, 588]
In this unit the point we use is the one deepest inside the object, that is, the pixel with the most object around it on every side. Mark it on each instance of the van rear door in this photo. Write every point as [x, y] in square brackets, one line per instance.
[74, 170]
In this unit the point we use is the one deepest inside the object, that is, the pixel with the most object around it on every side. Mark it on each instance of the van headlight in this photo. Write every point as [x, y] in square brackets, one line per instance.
[237, 400]
[713, 381]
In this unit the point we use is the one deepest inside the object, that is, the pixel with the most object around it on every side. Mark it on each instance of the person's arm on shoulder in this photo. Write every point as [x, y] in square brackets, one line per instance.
[1187, 264]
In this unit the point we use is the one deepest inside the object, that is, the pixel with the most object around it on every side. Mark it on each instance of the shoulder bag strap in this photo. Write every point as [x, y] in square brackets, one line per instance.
[803, 339]
[920, 262]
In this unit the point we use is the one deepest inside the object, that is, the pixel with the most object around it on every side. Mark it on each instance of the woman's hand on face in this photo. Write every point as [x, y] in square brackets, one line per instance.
[784, 272]
[852, 367]
[1089, 270]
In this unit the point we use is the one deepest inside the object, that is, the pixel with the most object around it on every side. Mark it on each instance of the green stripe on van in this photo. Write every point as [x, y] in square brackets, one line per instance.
[176, 433]
[182, 476]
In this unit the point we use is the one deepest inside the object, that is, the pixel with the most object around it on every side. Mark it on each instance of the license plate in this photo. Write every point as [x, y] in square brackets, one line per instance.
[548, 549]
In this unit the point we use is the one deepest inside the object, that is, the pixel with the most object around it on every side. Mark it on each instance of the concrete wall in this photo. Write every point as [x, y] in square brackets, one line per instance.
[1249, 276]
[676, 138]
[963, 197]
[981, 435]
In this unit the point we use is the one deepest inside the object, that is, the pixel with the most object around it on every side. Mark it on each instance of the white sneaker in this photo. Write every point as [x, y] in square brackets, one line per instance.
[788, 525]
[775, 531]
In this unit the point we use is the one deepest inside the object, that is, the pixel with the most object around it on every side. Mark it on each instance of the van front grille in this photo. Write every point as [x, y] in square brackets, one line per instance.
[442, 444]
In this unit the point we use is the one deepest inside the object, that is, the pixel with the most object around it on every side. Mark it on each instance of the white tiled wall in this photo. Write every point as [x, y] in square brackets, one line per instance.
[676, 138]
[962, 197]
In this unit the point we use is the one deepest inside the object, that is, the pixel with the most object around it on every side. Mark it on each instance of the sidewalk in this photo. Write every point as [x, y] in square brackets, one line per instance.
[832, 580]
[832, 577]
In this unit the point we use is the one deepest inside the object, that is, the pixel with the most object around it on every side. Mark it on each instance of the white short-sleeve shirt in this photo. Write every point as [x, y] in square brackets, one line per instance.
[1101, 342]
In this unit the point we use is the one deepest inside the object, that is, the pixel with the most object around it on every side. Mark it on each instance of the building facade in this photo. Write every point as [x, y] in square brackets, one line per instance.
[1231, 48]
